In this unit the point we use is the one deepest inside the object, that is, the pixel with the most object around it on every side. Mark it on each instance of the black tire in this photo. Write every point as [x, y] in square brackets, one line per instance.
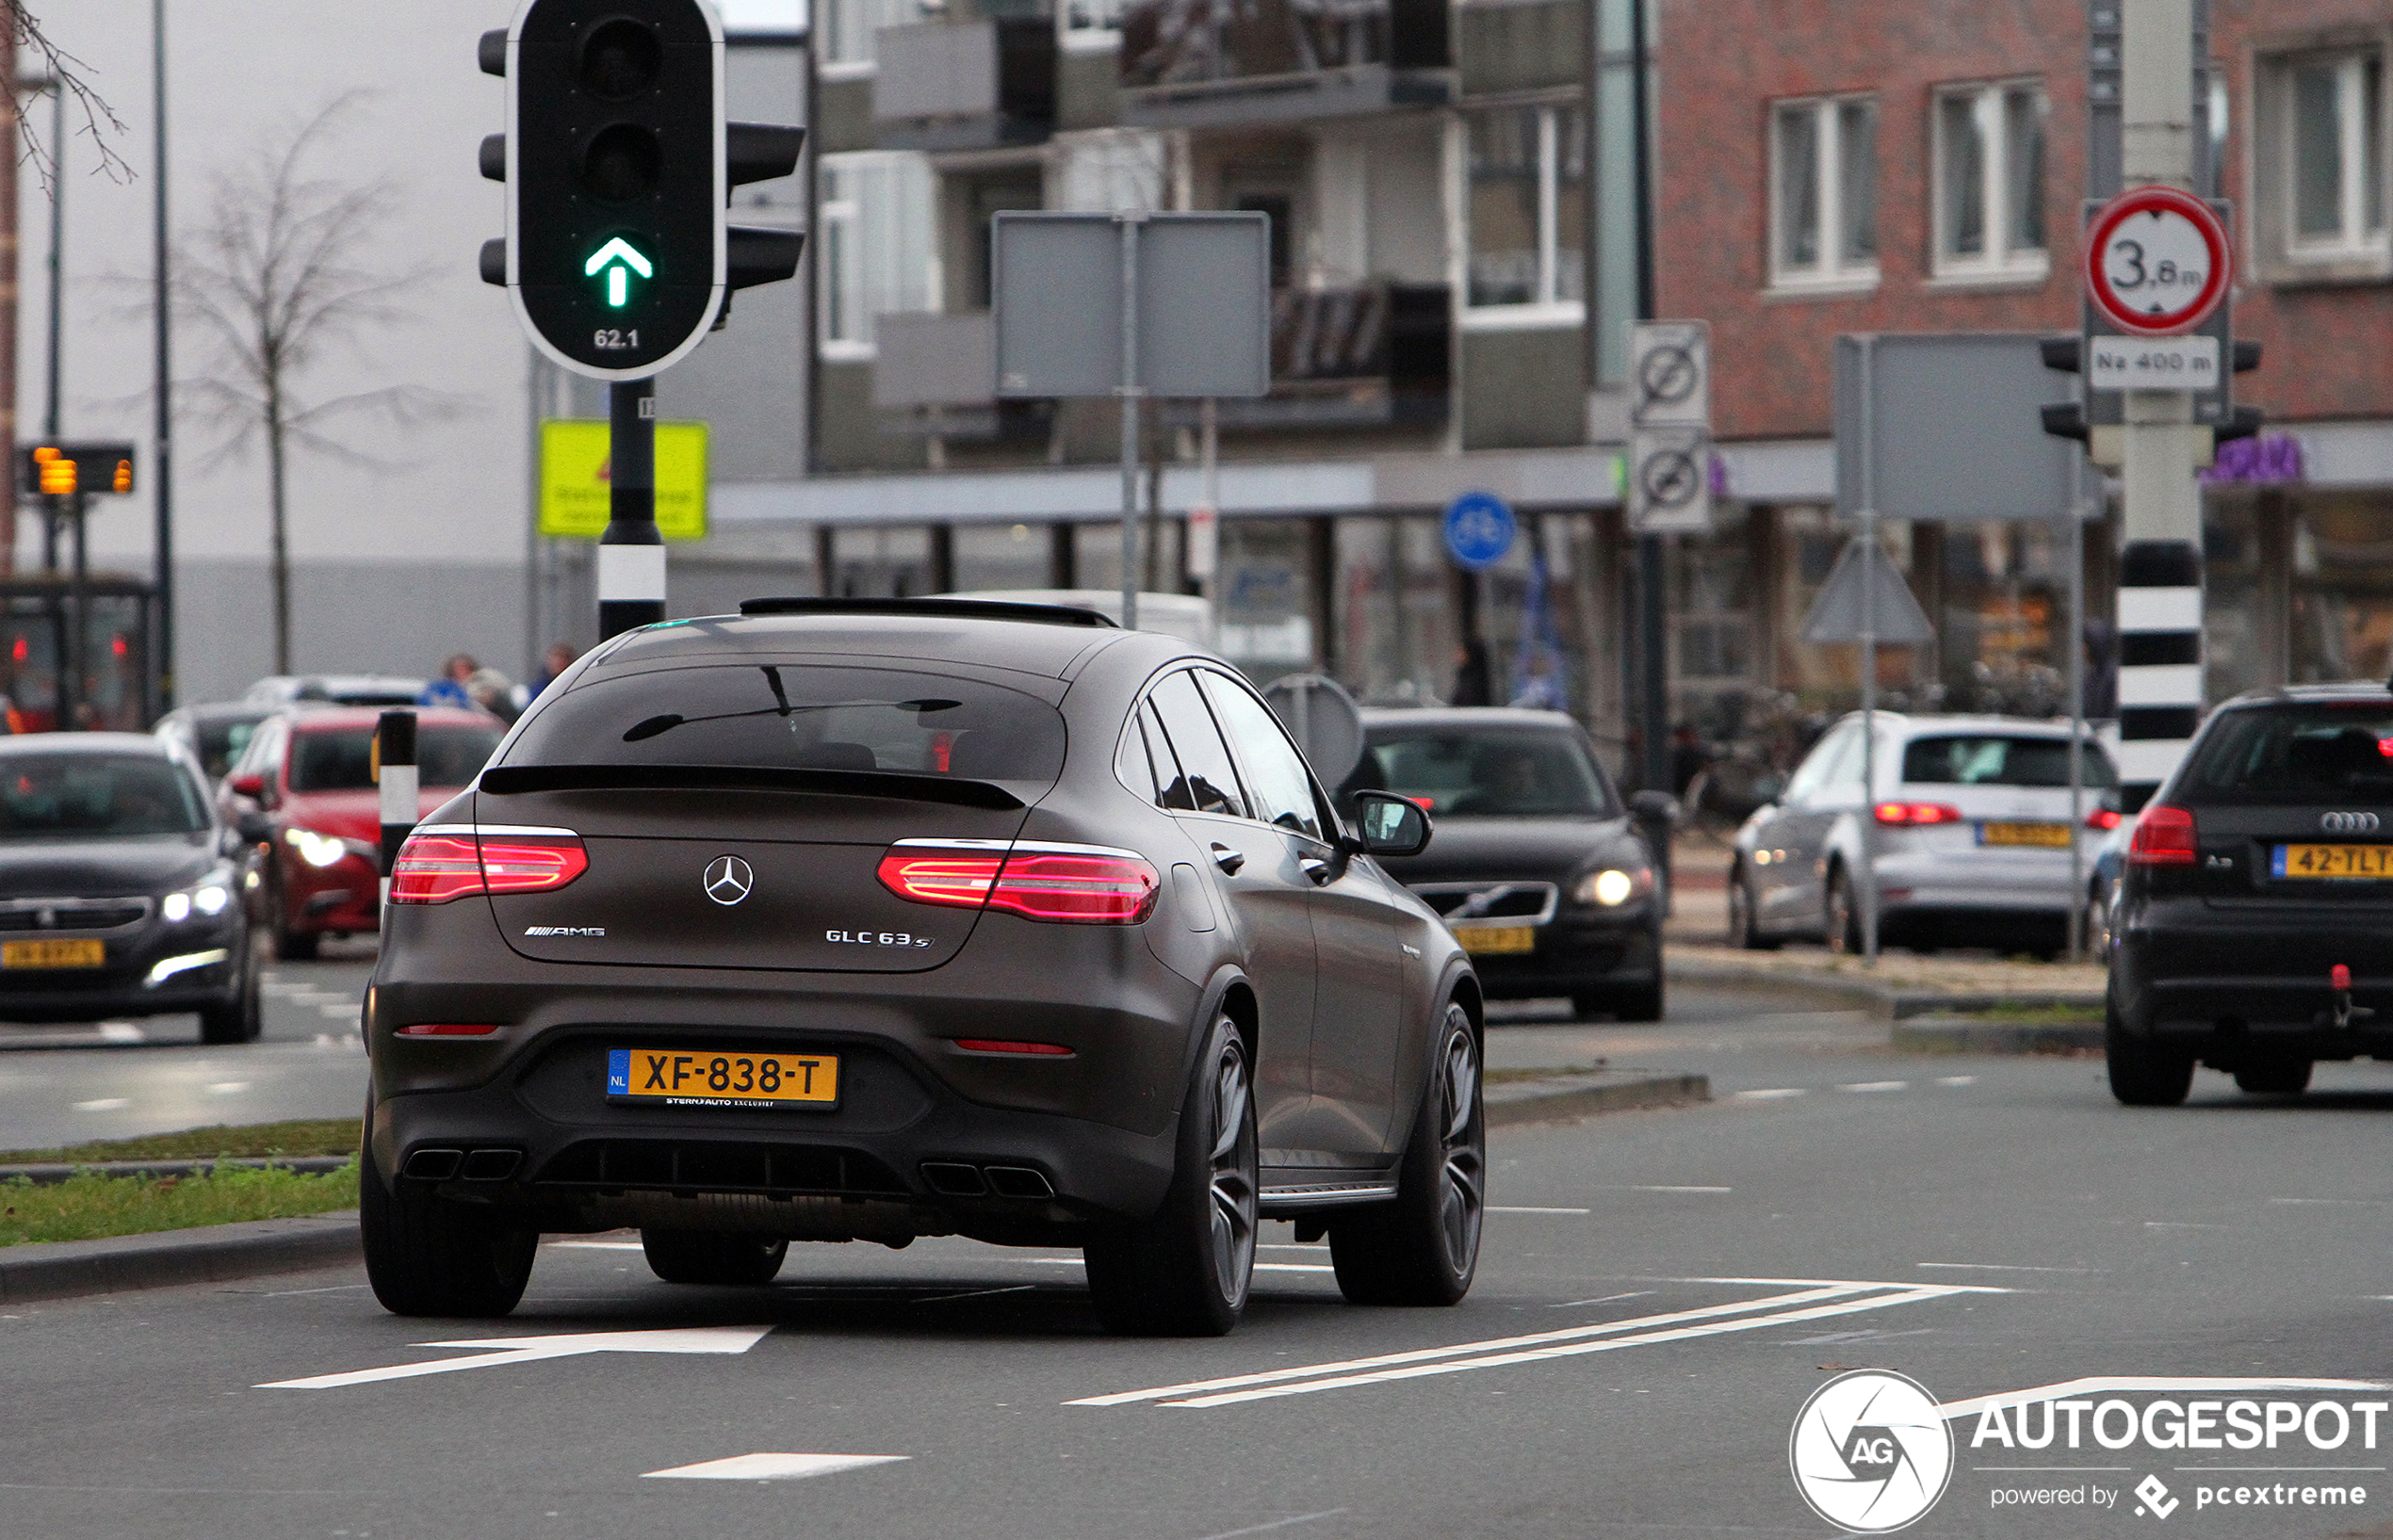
[1841, 915]
[1186, 1271]
[2142, 1073]
[240, 1019]
[2273, 1078]
[1642, 1003]
[1743, 916]
[1423, 1247]
[426, 1255]
[712, 1256]
[295, 946]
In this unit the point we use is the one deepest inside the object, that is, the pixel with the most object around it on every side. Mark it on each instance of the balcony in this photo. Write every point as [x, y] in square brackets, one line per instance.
[1195, 64]
[1376, 355]
[964, 85]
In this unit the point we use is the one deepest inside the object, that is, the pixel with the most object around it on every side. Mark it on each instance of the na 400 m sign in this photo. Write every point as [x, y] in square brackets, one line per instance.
[2158, 261]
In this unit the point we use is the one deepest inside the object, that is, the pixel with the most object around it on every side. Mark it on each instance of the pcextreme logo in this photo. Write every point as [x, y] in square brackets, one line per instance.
[1871, 1452]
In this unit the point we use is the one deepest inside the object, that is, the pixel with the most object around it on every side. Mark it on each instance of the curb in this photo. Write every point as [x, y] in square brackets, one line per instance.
[1933, 1034]
[43, 1175]
[213, 1254]
[1887, 1001]
[1564, 1097]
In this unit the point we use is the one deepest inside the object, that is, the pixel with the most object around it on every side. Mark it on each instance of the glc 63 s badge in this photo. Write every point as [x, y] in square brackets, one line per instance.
[877, 938]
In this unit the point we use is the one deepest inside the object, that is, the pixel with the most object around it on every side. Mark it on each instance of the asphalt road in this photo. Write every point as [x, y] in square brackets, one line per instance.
[1691, 1276]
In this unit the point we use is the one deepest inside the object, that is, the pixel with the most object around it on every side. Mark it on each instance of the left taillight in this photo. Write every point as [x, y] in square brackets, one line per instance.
[454, 861]
[1065, 884]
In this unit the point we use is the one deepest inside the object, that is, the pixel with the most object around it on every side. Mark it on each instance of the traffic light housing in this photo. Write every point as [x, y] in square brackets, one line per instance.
[61, 470]
[2067, 419]
[619, 166]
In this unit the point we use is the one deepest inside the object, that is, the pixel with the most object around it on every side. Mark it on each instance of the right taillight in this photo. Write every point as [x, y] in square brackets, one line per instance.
[2164, 837]
[1067, 884]
[454, 861]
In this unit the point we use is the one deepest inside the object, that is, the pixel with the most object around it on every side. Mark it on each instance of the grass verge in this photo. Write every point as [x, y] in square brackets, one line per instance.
[88, 1206]
[314, 1136]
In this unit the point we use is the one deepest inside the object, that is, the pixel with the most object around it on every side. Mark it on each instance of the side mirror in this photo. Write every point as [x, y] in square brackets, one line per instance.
[1391, 826]
[1655, 808]
[250, 784]
[254, 827]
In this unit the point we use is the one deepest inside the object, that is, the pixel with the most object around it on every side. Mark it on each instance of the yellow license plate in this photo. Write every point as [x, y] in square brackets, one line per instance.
[2046, 835]
[679, 1077]
[2365, 863]
[53, 953]
[1498, 939]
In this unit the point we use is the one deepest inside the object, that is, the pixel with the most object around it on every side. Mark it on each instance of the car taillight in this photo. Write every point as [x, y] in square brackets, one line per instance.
[2105, 818]
[453, 860]
[1068, 884]
[450, 1029]
[2164, 837]
[1909, 814]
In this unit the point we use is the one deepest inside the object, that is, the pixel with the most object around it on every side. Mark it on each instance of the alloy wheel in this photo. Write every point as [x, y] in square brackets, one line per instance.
[1232, 1178]
[1461, 1201]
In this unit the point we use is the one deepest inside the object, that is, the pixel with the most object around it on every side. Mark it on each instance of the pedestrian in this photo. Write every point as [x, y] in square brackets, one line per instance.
[556, 660]
[1541, 691]
[1471, 683]
[494, 692]
[449, 688]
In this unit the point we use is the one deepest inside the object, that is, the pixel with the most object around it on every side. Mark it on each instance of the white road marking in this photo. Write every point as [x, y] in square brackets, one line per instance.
[103, 1104]
[1602, 1299]
[228, 1088]
[525, 1350]
[122, 1031]
[2340, 1203]
[2005, 1267]
[1275, 1524]
[1305, 1245]
[977, 1294]
[1260, 1267]
[1773, 1094]
[596, 1245]
[1877, 1085]
[1426, 1355]
[1499, 1208]
[1570, 1350]
[771, 1468]
[1956, 1079]
[1652, 1187]
[341, 1013]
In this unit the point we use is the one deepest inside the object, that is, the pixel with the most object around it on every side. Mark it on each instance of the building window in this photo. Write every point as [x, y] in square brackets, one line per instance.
[846, 28]
[1990, 182]
[876, 253]
[1527, 212]
[1824, 193]
[1089, 25]
[2333, 139]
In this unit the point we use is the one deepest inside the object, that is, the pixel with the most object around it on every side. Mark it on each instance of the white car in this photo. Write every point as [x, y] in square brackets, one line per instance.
[1967, 830]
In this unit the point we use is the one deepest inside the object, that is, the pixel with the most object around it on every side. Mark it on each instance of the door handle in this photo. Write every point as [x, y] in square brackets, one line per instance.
[1318, 869]
[1228, 859]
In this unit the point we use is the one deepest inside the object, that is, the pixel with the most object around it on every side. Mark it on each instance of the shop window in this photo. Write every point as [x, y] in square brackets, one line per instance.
[1823, 165]
[1990, 182]
[875, 255]
[1527, 215]
[2342, 589]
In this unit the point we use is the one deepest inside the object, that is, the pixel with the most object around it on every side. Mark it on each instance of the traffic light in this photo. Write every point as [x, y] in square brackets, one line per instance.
[618, 167]
[61, 470]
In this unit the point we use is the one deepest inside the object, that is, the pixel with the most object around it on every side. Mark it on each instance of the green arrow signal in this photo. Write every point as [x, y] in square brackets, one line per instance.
[618, 259]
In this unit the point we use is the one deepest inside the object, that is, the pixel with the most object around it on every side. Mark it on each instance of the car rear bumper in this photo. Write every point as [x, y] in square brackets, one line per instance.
[346, 897]
[123, 987]
[1573, 953]
[2188, 972]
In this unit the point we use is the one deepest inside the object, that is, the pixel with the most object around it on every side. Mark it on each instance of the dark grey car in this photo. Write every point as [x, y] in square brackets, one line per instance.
[842, 920]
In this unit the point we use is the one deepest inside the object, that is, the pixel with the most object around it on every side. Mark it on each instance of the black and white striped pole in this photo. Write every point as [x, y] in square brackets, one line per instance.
[395, 774]
[632, 555]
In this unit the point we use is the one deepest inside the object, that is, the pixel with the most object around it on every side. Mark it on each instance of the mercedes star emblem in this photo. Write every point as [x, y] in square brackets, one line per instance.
[728, 879]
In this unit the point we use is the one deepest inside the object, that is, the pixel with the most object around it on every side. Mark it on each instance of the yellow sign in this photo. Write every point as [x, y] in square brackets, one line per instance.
[575, 472]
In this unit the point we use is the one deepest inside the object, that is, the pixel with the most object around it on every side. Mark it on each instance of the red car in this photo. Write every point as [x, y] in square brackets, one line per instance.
[303, 793]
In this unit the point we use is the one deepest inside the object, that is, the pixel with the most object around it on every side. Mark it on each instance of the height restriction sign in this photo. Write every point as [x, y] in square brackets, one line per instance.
[2158, 261]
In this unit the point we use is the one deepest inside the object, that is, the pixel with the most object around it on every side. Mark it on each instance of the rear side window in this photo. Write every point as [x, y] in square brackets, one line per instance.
[1283, 790]
[1994, 759]
[793, 716]
[2295, 754]
[1207, 783]
[342, 759]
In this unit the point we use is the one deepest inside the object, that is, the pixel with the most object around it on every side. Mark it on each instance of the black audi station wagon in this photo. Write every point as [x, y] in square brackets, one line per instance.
[853, 921]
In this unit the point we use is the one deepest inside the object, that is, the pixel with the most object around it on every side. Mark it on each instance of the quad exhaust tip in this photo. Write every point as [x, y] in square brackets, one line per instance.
[955, 1179]
[438, 1165]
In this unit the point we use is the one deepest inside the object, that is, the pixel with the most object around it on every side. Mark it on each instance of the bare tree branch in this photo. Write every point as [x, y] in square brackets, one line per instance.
[67, 72]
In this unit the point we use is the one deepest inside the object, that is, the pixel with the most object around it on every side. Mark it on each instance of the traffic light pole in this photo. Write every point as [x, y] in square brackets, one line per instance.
[1654, 674]
[2160, 687]
[632, 555]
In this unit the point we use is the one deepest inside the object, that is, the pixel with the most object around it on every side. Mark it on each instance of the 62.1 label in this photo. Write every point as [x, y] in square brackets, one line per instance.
[614, 339]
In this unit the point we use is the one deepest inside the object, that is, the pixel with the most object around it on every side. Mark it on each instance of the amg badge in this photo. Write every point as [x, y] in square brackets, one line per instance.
[565, 930]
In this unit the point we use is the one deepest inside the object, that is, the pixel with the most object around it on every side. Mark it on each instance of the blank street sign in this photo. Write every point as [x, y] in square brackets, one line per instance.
[1204, 303]
[1958, 429]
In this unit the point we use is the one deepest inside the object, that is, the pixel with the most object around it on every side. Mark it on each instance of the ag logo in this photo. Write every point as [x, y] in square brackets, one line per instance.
[1870, 1451]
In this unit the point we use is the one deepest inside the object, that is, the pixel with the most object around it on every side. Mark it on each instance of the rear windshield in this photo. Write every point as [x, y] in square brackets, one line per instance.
[1491, 773]
[2296, 753]
[87, 796]
[220, 741]
[1994, 759]
[800, 716]
[342, 758]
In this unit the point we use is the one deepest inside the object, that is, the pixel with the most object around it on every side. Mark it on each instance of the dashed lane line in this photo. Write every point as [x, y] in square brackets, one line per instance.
[771, 1468]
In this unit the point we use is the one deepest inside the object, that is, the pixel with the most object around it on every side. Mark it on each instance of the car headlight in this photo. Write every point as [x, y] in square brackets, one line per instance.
[315, 849]
[1614, 886]
[208, 898]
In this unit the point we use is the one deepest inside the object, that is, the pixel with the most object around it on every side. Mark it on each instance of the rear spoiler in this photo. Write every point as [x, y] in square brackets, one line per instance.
[970, 609]
[509, 780]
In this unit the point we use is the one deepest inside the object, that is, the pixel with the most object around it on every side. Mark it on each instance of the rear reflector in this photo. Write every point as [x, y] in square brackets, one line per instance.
[2103, 817]
[2165, 836]
[446, 861]
[1000, 1044]
[1070, 884]
[448, 1028]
